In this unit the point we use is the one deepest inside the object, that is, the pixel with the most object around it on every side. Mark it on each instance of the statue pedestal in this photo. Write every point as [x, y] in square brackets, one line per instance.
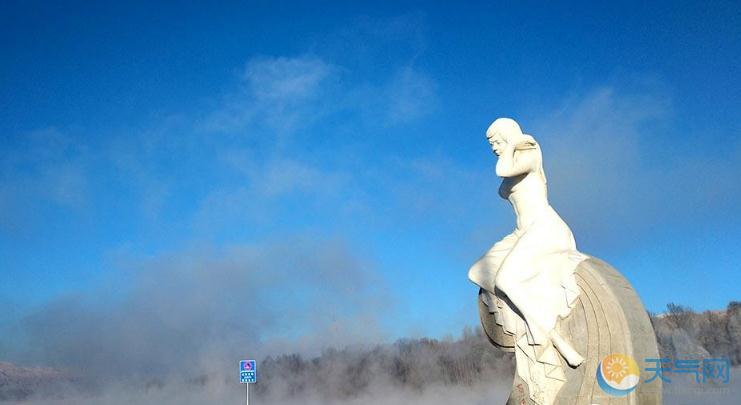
[608, 318]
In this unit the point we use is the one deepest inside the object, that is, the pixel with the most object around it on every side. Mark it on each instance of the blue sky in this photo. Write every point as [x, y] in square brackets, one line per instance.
[335, 153]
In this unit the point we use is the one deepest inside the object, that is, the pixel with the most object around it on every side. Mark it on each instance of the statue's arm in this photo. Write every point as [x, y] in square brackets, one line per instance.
[515, 161]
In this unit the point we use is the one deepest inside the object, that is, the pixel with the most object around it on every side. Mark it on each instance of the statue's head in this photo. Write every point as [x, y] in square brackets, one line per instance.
[502, 132]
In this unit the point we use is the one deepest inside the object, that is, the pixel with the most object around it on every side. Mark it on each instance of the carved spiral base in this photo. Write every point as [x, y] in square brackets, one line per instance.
[608, 318]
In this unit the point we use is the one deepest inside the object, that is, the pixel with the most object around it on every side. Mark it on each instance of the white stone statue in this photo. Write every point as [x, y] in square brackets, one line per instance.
[558, 310]
[529, 275]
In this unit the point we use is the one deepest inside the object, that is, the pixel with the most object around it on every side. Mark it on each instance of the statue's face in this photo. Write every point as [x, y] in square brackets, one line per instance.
[497, 142]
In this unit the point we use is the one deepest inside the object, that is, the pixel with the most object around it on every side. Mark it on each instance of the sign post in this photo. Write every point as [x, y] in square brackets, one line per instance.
[247, 376]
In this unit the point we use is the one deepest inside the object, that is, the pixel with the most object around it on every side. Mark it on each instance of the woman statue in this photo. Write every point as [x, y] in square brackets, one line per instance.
[529, 274]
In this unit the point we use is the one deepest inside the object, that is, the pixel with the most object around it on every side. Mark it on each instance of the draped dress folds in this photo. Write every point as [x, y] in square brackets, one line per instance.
[548, 276]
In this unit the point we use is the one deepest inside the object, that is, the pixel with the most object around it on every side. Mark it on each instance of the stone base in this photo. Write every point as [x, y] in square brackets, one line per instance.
[608, 318]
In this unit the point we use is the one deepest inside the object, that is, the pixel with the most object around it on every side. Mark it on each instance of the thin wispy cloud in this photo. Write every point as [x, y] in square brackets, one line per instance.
[45, 166]
[611, 169]
[412, 96]
[279, 92]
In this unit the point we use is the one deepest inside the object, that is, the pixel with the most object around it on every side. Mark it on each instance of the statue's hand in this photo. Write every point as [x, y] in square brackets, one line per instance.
[525, 142]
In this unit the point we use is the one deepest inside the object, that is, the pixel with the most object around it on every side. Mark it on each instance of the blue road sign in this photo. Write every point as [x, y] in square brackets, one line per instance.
[247, 371]
[248, 377]
[247, 365]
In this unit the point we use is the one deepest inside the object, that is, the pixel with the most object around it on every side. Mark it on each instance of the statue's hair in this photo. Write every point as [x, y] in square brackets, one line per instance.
[505, 126]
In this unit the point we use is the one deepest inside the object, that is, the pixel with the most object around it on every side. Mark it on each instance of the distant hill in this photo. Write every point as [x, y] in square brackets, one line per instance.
[683, 333]
[17, 383]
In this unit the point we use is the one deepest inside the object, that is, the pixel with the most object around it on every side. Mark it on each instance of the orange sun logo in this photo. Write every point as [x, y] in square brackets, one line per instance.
[618, 374]
[616, 368]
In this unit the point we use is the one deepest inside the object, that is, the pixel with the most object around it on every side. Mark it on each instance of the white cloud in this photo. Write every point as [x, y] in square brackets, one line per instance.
[263, 186]
[280, 92]
[281, 95]
[285, 80]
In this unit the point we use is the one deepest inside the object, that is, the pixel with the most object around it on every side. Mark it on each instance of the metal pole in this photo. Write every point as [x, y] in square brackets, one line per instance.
[246, 394]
